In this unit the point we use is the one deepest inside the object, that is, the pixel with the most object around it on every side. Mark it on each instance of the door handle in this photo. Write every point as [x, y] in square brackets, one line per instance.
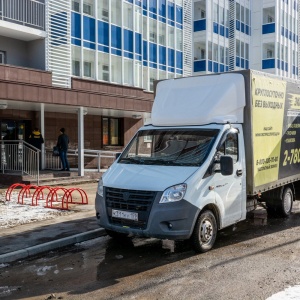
[239, 172]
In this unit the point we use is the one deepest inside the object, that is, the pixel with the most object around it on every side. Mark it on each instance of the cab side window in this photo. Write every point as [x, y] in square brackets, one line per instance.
[230, 147]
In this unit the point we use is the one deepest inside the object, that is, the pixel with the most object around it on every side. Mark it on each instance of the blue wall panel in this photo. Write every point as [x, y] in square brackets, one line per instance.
[179, 61]
[162, 55]
[75, 25]
[138, 43]
[200, 66]
[144, 4]
[162, 8]
[171, 58]
[200, 25]
[268, 63]
[153, 6]
[128, 40]
[89, 29]
[171, 11]
[268, 28]
[145, 50]
[153, 52]
[103, 33]
[179, 14]
[116, 37]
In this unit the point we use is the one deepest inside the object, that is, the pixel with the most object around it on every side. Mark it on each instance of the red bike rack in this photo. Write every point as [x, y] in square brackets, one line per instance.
[69, 198]
[39, 194]
[11, 188]
[52, 196]
[25, 191]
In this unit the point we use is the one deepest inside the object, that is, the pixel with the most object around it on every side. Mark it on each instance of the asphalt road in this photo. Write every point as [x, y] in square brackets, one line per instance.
[254, 260]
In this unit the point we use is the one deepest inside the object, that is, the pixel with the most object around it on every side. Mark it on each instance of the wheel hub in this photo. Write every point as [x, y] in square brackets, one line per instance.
[206, 231]
[287, 202]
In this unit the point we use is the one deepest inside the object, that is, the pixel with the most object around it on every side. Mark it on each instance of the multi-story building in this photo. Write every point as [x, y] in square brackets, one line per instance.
[88, 65]
[242, 34]
[275, 37]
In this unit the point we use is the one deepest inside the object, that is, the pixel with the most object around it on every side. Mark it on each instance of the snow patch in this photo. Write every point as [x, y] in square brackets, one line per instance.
[291, 293]
[13, 214]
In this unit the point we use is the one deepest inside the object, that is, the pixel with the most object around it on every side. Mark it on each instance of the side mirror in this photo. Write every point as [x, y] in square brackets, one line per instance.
[226, 164]
[118, 155]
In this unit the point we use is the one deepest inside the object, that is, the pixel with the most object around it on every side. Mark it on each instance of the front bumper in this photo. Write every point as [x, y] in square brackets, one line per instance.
[174, 221]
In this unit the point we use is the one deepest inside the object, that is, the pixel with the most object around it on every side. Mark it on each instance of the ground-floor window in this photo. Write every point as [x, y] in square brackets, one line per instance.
[112, 131]
[2, 57]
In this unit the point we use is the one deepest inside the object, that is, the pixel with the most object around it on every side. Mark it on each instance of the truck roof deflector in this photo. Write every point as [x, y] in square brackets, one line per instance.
[179, 102]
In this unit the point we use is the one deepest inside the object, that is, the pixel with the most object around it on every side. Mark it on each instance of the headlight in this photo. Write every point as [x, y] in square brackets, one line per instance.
[100, 188]
[173, 193]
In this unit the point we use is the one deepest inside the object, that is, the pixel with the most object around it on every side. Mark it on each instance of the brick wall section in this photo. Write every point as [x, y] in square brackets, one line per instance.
[26, 75]
[22, 84]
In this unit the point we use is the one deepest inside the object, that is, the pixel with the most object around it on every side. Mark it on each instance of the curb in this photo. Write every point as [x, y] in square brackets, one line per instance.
[56, 244]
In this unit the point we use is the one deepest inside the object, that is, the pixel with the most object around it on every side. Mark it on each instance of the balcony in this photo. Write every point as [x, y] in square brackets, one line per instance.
[22, 19]
[200, 25]
[268, 28]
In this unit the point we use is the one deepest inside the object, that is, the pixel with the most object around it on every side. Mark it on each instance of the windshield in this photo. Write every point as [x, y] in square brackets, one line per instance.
[182, 147]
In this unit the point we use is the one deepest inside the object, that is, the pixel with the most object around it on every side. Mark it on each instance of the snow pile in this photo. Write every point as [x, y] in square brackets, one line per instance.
[13, 214]
[291, 293]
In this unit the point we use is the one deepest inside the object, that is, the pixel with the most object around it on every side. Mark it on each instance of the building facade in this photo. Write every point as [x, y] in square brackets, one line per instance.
[232, 35]
[88, 66]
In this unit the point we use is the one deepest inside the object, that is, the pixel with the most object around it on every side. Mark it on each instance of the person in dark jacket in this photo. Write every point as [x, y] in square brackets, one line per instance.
[36, 139]
[62, 145]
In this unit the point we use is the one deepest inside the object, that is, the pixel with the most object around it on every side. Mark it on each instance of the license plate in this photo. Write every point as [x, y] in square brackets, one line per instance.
[125, 215]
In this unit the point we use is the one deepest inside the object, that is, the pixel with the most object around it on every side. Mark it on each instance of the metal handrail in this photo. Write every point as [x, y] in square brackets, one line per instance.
[53, 162]
[18, 156]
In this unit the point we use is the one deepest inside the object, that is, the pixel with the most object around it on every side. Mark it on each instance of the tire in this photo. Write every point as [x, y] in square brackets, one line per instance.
[205, 232]
[286, 205]
[283, 206]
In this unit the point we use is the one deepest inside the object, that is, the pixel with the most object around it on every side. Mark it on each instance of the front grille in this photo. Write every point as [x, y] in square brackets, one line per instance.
[129, 200]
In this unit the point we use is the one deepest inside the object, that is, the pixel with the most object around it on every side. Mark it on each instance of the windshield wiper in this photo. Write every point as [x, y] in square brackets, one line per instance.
[130, 160]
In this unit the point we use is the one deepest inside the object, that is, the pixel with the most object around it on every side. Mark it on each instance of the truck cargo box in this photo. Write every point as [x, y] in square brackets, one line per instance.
[268, 106]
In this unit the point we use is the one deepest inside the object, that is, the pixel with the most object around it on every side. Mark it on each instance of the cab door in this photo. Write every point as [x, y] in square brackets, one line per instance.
[229, 189]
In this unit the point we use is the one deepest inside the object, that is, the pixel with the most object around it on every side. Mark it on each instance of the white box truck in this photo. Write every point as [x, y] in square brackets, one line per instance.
[216, 146]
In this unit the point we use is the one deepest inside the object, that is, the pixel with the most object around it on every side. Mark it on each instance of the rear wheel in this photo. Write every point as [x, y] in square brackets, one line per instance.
[286, 205]
[205, 232]
[283, 205]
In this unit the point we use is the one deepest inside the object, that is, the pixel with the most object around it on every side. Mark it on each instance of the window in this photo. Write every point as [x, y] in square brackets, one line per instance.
[269, 53]
[229, 147]
[76, 68]
[76, 5]
[112, 131]
[103, 10]
[105, 15]
[2, 57]
[87, 69]
[87, 9]
[103, 66]
[270, 19]
[202, 54]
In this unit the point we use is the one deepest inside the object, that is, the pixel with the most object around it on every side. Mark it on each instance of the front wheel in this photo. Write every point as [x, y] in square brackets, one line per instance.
[205, 232]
